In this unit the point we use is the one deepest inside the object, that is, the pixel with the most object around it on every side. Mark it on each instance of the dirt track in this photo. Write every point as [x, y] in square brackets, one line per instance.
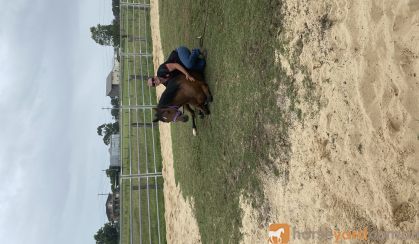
[181, 225]
[354, 161]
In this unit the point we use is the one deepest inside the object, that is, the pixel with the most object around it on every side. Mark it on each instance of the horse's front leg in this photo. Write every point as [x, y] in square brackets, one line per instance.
[193, 118]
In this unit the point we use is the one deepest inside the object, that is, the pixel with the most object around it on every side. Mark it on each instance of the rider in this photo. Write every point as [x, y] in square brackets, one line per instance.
[181, 60]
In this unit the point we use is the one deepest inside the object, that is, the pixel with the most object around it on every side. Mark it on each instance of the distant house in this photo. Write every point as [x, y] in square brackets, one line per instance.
[113, 79]
[115, 151]
[112, 206]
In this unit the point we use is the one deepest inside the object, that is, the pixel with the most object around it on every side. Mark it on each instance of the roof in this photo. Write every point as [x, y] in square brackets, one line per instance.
[115, 151]
[112, 80]
[109, 212]
[109, 83]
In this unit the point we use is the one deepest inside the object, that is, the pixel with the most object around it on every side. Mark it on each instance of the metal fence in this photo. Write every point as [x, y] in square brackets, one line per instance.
[141, 184]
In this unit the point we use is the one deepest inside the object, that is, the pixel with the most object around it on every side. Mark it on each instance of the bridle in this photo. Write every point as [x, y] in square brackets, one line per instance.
[178, 112]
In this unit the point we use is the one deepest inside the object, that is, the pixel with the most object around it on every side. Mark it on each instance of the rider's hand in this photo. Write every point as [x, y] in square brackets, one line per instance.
[190, 78]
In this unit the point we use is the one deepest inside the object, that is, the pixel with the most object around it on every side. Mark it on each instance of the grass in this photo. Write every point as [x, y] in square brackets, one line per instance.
[248, 127]
[142, 212]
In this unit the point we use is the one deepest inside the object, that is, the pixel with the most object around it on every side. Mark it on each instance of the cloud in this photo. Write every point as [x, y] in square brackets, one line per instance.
[50, 94]
[15, 179]
[51, 91]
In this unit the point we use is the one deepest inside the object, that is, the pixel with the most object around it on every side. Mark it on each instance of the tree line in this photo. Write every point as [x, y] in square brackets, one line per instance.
[108, 234]
[108, 129]
[108, 35]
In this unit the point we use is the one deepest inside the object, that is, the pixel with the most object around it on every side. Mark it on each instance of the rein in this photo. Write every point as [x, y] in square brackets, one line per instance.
[178, 112]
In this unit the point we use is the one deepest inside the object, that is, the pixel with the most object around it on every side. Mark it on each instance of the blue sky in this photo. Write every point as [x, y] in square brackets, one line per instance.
[52, 89]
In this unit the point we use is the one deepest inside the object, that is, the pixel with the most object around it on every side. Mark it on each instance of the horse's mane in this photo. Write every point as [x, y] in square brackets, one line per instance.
[169, 94]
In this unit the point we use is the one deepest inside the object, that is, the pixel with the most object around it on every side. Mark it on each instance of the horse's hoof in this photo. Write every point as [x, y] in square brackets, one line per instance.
[194, 131]
[208, 100]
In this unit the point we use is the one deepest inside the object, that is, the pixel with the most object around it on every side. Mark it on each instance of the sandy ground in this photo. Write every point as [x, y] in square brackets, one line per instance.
[355, 163]
[181, 225]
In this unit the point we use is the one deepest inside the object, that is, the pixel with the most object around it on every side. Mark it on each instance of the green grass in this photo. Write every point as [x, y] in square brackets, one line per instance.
[139, 143]
[248, 126]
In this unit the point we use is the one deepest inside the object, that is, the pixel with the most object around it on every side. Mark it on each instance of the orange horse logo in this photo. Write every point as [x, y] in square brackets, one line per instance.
[279, 233]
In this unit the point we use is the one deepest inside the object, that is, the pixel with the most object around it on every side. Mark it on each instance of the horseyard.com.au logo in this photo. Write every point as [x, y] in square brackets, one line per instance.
[279, 233]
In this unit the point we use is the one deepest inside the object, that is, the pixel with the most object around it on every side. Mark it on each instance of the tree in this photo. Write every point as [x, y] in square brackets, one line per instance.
[113, 174]
[107, 35]
[115, 102]
[106, 130]
[116, 32]
[115, 9]
[115, 107]
[108, 234]
[115, 113]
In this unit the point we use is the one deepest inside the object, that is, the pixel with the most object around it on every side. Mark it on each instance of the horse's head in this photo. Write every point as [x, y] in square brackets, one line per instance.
[169, 114]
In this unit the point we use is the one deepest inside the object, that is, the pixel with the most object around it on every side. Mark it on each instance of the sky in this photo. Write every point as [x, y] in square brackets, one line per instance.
[52, 89]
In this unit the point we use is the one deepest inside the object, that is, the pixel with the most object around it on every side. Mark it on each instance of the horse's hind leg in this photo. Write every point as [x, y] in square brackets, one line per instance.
[207, 93]
[201, 114]
[193, 118]
[204, 109]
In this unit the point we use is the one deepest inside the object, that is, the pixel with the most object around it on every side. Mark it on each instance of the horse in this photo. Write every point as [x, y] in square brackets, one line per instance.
[278, 234]
[182, 92]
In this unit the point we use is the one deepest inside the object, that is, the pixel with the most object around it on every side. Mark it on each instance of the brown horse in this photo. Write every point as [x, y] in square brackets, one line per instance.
[182, 92]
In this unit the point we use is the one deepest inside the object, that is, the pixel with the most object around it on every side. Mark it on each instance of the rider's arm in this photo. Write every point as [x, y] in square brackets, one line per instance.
[173, 66]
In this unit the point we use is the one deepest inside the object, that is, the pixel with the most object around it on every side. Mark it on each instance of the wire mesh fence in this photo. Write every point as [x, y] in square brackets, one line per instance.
[141, 184]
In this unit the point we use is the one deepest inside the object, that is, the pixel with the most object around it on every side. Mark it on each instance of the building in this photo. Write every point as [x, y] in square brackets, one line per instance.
[112, 206]
[115, 151]
[113, 79]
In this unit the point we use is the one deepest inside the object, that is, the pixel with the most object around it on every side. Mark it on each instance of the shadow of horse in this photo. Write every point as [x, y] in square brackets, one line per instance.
[182, 92]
